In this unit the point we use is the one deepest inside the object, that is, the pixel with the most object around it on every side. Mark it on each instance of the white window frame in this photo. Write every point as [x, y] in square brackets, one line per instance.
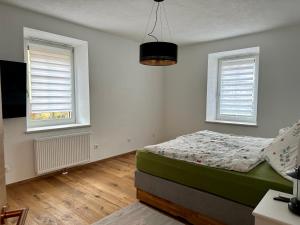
[81, 93]
[213, 86]
[50, 122]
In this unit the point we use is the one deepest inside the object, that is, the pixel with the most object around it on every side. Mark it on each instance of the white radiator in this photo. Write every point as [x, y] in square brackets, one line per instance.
[54, 153]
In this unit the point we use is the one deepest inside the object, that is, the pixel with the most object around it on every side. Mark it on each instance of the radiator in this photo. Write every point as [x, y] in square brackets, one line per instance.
[55, 153]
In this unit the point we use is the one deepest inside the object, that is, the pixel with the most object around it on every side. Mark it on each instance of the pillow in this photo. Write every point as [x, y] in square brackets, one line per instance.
[281, 154]
[283, 130]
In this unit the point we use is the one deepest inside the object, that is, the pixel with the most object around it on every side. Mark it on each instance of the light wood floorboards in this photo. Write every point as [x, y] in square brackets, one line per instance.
[82, 197]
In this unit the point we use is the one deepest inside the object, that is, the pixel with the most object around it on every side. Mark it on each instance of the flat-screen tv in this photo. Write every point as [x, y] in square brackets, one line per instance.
[13, 89]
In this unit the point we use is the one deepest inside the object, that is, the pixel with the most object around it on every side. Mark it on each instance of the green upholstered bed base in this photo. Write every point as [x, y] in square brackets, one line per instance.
[245, 188]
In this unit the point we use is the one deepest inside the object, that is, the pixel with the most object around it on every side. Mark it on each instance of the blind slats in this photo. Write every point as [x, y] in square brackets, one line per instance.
[50, 67]
[236, 114]
[239, 62]
[51, 78]
[238, 78]
[45, 73]
[238, 67]
[37, 93]
[51, 108]
[49, 59]
[236, 98]
[51, 87]
[233, 73]
[39, 100]
[237, 88]
[237, 82]
[237, 109]
[236, 105]
[237, 93]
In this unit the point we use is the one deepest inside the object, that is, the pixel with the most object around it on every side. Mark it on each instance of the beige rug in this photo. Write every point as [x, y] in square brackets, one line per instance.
[137, 214]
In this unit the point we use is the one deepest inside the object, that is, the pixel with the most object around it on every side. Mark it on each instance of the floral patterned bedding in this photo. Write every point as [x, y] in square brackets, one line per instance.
[226, 151]
[282, 153]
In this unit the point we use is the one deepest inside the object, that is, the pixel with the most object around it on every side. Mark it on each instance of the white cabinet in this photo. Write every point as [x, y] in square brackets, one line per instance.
[271, 212]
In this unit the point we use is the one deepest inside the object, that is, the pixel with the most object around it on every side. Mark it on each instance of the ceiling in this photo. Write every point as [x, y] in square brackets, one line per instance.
[191, 21]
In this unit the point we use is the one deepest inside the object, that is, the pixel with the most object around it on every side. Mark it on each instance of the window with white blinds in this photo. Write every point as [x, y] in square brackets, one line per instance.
[50, 84]
[237, 90]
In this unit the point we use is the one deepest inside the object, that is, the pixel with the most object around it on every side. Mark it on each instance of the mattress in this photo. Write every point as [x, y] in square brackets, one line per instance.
[245, 188]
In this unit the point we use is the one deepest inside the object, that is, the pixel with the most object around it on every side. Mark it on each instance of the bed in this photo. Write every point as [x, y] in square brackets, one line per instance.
[202, 194]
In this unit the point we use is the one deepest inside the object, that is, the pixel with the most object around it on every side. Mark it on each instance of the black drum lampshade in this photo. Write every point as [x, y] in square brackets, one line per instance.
[158, 53]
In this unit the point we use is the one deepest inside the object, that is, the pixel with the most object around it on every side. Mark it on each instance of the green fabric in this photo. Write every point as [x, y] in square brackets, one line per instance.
[246, 188]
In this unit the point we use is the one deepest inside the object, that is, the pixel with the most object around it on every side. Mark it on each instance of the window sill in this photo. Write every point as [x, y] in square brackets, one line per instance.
[232, 123]
[57, 127]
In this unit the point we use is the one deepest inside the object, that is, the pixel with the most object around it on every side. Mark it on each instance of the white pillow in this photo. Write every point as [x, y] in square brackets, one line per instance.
[283, 130]
[281, 154]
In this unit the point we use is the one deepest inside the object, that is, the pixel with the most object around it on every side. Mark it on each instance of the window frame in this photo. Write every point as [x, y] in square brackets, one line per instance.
[213, 86]
[51, 122]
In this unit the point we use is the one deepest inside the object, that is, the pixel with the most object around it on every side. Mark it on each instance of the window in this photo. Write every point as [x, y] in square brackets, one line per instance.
[237, 90]
[57, 81]
[232, 87]
[50, 84]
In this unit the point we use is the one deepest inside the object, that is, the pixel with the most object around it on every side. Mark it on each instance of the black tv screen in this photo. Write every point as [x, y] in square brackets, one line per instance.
[13, 89]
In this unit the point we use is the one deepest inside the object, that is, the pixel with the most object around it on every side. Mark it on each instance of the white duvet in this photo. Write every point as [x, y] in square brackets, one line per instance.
[226, 151]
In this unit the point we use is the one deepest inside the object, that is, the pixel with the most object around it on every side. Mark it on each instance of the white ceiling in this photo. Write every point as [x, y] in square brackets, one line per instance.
[191, 21]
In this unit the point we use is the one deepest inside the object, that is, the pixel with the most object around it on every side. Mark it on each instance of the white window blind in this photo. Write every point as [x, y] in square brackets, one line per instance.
[50, 78]
[237, 90]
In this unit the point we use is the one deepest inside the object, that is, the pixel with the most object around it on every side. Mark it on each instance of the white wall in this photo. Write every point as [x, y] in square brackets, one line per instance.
[126, 97]
[279, 84]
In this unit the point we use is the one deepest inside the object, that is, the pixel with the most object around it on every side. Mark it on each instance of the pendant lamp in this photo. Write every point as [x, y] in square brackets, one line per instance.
[158, 53]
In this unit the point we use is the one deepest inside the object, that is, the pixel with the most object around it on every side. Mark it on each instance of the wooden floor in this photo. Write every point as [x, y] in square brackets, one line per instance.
[82, 197]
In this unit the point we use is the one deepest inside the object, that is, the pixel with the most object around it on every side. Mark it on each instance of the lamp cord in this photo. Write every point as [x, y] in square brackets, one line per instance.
[148, 22]
[156, 17]
[166, 18]
[161, 24]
